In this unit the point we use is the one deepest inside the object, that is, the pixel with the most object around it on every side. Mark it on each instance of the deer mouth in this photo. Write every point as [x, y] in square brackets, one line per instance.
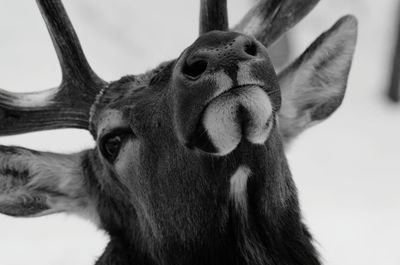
[241, 113]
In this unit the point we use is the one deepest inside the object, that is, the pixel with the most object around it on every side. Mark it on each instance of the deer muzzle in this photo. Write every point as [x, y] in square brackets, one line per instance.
[243, 113]
[224, 93]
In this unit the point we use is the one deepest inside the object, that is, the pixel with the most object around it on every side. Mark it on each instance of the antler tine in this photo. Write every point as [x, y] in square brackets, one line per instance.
[67, 105]
[72, 60]
[269, 19]
[213, 15]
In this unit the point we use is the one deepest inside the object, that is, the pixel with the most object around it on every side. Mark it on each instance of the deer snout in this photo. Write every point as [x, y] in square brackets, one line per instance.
[225, 92]
[224, 55]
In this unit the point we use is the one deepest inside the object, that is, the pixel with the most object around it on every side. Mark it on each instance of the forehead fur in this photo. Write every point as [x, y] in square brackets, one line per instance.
[123, 93]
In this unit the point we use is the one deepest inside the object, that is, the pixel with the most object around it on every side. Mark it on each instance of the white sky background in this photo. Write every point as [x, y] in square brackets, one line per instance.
[347, 169]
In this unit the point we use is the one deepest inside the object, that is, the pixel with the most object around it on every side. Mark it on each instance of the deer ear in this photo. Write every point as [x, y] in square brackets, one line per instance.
[37, 183]
[313, 86]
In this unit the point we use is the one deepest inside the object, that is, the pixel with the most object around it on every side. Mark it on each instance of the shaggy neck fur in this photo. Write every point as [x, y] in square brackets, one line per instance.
[267, 228]
[264, 225]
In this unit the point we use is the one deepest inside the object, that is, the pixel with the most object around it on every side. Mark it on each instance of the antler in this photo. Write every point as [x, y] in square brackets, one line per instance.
[67, 105]
[213, 15]
[269, 19]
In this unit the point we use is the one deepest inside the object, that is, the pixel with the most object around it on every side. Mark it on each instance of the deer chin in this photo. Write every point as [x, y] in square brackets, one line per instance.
[242, 113]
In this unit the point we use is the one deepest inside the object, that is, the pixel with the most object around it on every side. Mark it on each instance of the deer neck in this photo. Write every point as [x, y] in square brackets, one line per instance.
[265, 219]
[264, 225]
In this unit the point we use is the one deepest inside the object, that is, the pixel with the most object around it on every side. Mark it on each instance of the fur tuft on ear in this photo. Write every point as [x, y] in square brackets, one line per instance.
[314, 85]
[38, 183]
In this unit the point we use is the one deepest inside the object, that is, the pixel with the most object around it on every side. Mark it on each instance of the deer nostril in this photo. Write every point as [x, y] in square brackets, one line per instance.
[251, 48]
[194, 69]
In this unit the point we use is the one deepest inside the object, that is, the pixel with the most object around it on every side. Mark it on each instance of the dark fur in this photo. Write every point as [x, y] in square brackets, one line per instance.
[189, 191]
[273, 234]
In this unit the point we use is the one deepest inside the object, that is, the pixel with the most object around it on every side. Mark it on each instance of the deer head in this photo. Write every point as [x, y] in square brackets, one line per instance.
[189, 166]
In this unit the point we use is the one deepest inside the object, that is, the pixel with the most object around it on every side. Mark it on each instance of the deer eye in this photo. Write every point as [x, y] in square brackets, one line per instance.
[111, 143]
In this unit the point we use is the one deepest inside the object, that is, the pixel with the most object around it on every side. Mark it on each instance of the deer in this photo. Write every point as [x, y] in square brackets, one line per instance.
[189, 165]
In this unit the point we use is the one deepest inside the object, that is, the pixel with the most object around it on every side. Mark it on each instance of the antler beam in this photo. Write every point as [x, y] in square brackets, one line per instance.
[213, 15]
[269, 19]
[67, 105]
